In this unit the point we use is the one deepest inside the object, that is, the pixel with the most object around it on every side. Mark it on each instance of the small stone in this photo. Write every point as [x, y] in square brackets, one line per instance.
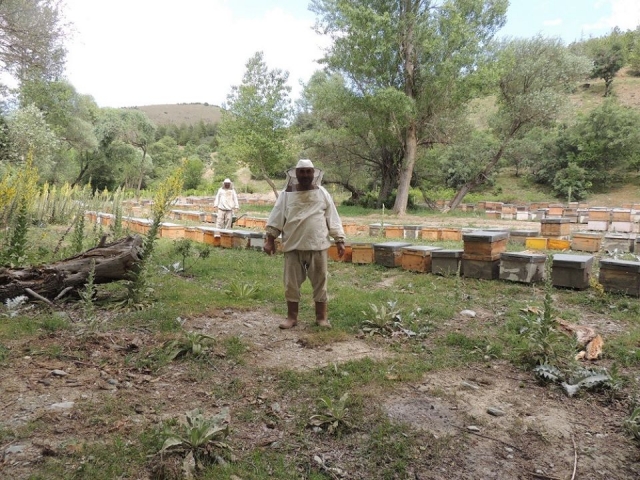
[59, 373]
[509, 449]
[14, 449]
[468, 313]
[61, 406]
[496, 412]
[112, 381]
[470, 386]
[473, 428]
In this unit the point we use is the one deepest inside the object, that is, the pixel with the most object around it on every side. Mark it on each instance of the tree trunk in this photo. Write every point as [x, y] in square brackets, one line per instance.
[144, 155]
[114, 261]
[411, 149]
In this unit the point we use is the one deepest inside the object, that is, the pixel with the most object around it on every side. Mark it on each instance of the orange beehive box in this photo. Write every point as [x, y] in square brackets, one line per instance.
[485, 244]
[350, 228]
[226, 238]
[361, 253]
[558, 244]
[211, 236]
[171, 230]
[599, 215]
[430, 233]
[194, 233]
[586, 242]
[394, 231]
[417, 258]
[451, 234]
[333, 253]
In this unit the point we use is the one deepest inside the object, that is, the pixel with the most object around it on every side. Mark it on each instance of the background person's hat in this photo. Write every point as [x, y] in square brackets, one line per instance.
[226, 180]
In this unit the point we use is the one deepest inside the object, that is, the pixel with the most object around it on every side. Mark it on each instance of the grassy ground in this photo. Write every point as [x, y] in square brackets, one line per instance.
[413, 393]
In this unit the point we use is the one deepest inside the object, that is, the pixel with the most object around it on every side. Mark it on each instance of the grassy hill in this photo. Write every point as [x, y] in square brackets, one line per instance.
[182, 113]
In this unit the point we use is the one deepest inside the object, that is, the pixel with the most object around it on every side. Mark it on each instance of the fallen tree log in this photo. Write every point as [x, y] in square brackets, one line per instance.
[113, 262]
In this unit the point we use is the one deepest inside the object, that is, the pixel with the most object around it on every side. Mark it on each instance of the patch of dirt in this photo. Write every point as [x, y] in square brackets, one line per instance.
[271, 347]
[91, 387]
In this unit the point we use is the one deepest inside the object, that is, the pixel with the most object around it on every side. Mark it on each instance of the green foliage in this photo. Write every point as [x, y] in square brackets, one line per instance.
[238, 289]
[608, 58]
[88, 294]
[193, 344]
[382, 320]
[253, 129]
[193, 170]
[571, 183]
[575, 379]
[198, 439]
[77, 239]
[334, 416]
[632, 424]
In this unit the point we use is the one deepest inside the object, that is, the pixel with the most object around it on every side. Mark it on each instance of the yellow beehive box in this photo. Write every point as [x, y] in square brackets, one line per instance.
[536, 243]
[558, 244]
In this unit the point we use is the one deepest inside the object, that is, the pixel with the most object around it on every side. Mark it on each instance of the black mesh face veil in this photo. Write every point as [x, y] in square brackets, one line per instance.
[292, 181]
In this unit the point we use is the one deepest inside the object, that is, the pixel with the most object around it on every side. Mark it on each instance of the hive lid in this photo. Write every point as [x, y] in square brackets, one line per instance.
[391, 244]
[421, 248]
[485, 236]
[447, 253]
[524, 257]
[572, 261]
[555, 220]
[612, 264]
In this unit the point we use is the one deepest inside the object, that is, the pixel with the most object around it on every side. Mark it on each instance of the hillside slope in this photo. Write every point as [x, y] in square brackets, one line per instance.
[182, 113]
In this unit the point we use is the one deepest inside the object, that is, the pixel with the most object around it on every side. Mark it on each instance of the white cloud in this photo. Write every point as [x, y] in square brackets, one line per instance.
[625, 14]
[552, 23]
[140, 52]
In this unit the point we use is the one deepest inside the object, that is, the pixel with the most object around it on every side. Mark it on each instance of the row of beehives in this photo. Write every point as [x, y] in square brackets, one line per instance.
[551, 237]
[483, 256]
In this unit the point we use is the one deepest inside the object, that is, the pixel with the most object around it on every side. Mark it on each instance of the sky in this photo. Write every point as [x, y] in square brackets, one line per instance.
[147, 52]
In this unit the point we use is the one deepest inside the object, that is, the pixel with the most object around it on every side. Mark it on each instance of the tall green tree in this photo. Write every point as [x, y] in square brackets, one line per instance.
[254, 129]
[609, 57]
[532, 78]
[32, 36]
[425, 49]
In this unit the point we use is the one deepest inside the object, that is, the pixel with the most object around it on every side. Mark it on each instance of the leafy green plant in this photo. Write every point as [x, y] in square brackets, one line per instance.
[239, 289]
[77, 238]
[539, 332]
[576, 379]
[334, 416]
[192, 343]
[632, 423]
[88, 293]
[381, 320]
[200, 440]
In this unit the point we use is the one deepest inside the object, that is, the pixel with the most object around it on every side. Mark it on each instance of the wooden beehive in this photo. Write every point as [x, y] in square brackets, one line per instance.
[522, 267]
[621, 215]
[333, 253]
[558, 244]
[622, 242]
[450, 234]
[256, 240]
[599, 214]
[394, 231]
[361, 253]
[586, 241]
[226, 238]
[619, 276]
[571, 271]
[376, 230]
[519, 237]
[417, 258]
[555, 227]
[171, 230]
[350, 229]
[485, 269]
[412, 232]
[484, 245]
[555, 210]
[389, 254]
[194, 233]
[240, 239]
[430, 233]
[446, 262]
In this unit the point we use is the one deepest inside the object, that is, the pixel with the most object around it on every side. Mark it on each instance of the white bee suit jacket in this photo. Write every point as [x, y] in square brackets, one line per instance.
[307, 219]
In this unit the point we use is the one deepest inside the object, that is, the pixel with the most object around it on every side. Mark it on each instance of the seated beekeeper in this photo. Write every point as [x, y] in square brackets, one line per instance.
[305, 215]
